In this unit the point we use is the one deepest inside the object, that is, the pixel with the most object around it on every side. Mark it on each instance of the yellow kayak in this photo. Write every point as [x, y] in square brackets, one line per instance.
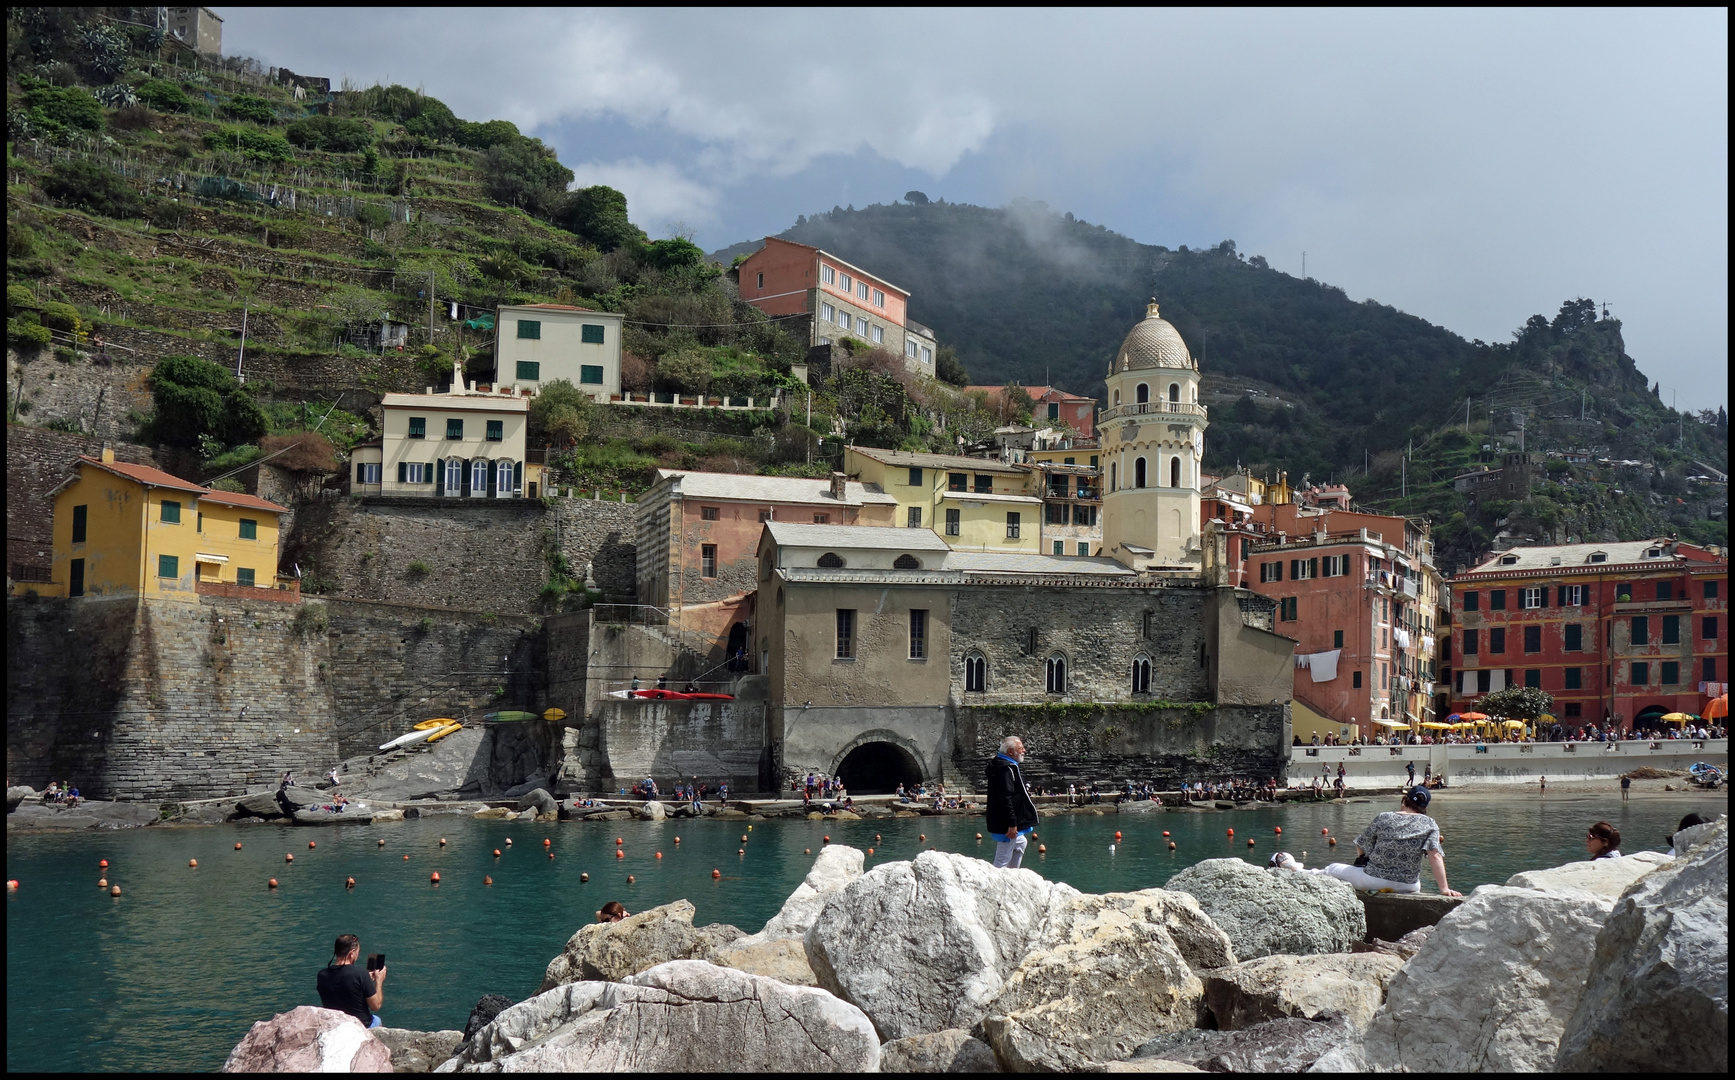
[440, 723]
[443, 732]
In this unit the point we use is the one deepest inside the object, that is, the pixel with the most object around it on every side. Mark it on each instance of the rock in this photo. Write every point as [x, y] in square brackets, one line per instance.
[1103, 977]
[518, 791]
[1604, 877]
[16, 795]
[326, 817]
[300, 798]
[1150, 1065]
[541, 801]
[611, 815]
[1403, 948]
[1308, 987]
[122, 815]
[833, 868]
[263, 805]
[1392, 915]
[925, 945]
[1658, 995]
[494, 813]
[1142, 806]
[1687, 839]
[1287, 1045]
[1267, 912]
[952, 1050]
[309, 1039]
[418, 1051]
[612, 951]
[783, 959]
[651, 811]
[488, 1006]
[685, 1016]
[381, 816]
[1493, 986]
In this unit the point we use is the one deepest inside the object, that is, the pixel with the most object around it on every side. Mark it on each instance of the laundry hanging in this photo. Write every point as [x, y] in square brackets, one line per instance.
[1324, 666]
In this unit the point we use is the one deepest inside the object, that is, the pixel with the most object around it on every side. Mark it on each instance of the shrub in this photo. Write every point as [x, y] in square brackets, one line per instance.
[373, 215]
[482, 136]
[95, 188]
[303, 452]
[117, 96]
[68, 106]
[65, 355]
[246, 107]
[60, 316]
[19, 298]
[28, 336]
[251, 142]
[330, 133]
[132, 117]
[418, 569]
[165, 96]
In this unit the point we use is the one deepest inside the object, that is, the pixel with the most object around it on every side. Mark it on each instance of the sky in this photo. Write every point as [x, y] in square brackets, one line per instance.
[1470, 167]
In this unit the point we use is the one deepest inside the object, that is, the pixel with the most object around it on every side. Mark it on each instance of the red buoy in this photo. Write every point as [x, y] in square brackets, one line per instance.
[496, 853]
[11, 884]
[716, 873]
[434, 877]
[1117, 834]
[237, 847]
[619, 854]
[271, 884]
[876, 838]
[1279, 830]
[1249, 841]
[870, 851]
[1332, 841]
[1325, 832]
[487, 880]
[103, 864]
[618, 841]
[310, 845]
[659, 854]
[1165, 832]
[547, 842]
[828, 839]
[193, 863]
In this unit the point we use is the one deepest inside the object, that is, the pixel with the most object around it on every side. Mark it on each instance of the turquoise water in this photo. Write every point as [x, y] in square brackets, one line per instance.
[172, 974]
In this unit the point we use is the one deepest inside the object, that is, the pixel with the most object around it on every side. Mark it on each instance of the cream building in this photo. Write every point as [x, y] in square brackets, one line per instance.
[1153, 438]
[460, 444]
[536, 344]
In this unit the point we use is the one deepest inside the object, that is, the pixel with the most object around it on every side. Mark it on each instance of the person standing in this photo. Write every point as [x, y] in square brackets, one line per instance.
[1011, 813]
[1626, 789]
[1410, 768]
[347, 988]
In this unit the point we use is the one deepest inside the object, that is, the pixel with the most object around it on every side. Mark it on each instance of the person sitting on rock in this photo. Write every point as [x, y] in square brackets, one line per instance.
[347, 988]
[1604, 841]
[611, 912]
[1392, 847]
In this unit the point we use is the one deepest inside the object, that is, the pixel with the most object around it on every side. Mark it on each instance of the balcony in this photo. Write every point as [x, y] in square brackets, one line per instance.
[1153, 408]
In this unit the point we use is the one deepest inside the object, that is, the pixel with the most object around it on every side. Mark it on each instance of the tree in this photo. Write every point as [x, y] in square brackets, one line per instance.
[305, 452]
[687, 370]
[1017, 404]
[526, 174]
[598, 215]
[947, 367]
[1518, 703]
[95, 188]
[196, 400]
[915, 198]
[560, 414]
[330, 133]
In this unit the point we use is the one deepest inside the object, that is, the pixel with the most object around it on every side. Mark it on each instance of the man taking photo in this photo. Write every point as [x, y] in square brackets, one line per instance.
[347, 988]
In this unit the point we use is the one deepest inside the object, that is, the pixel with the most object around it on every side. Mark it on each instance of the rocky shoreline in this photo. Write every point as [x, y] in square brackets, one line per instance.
[944, 964]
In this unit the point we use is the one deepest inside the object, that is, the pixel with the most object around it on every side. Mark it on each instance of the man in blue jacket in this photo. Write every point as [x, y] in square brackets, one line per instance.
[1011, 814]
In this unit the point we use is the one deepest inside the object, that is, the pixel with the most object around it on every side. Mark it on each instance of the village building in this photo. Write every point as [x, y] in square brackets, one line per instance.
[131, 530]
[1049, 407]
[536, 344]
[821, 299]
[465, 443]
[198, 28]
[1071, 501]
[1619, 634]
[974, 504]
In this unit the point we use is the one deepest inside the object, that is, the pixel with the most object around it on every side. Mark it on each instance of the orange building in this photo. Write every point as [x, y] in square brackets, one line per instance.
[819, 297]
[1049, 405]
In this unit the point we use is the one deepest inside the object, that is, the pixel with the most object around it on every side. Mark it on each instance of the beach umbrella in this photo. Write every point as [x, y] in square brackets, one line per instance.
[1434, 725]
[1472, 716]
[1679, 717]
[1718, 709]
[1393, 724]
[1513, 723]
[1454, 718]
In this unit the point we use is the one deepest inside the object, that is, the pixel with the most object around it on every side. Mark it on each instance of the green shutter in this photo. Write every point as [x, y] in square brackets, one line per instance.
[403, 472]
[418, 427]
[243, 576]
[590, 373]
[496, 430]
[249, 529]
[517, 475]
[454, 428]
[591, 334]
[529, 370]
[168, 566]
[530, 329]
[171, 512]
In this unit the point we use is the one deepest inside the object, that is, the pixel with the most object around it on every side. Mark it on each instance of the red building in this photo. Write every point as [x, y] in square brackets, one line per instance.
[817, 296]
[1049, 405]
[1617, 633]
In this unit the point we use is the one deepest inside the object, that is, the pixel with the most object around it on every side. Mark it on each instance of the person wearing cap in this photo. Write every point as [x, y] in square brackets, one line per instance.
[1391, 850]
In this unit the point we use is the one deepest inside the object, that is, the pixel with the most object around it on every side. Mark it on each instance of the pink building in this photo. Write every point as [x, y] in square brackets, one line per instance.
[818, 296]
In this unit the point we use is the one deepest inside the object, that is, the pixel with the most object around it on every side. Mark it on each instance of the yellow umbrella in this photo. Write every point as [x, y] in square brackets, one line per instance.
[1679, 717]
[1513, 723]
[1393, 724]
[1433, 725]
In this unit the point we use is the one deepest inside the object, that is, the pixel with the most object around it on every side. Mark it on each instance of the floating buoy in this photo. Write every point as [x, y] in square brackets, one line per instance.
[677, 839]
[631, 879]
[923, 836]
[382, 843]
[434, 877]
[103, 864]
[1250, 842]
[496, 853]
[978, 837]
[406, 858]
[743, 839]
[237, 847]
[741, 851]
[1042, 849]
[1325, 832]
[11, 884]
[1117, 835]
[310, 845]
[349, 883]
[870, 851]
[716, 873]
[1111, 849]
[1279, 830]
[551, 855]
[1171, 845]
[619, 854]
[102, 883]
[876, 838]
[1332, 841]
[1165, 832]
[271, 883]
[584, 877]
[547, 842]
[749, 828]
[807, 851]
[114, 890]
[508, 841]
[1231, 832]
[194, 863]
[659, 855]
[486, 880]
[828, 839]
[617, 841]
[442, 841]
[287, 857]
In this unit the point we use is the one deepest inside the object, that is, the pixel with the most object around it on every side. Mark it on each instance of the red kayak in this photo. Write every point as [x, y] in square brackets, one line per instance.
[679, 696]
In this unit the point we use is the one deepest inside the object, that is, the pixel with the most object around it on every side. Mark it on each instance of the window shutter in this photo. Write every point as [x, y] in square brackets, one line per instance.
[1560, 597]
[1294, 569]
[1313, 568]
[403, 472]
[1542, 593]
[517, 475]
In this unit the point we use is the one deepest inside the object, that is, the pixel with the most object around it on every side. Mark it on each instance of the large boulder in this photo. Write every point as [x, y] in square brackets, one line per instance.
[951, 1051]
[1289, 1045]
[263, 805]
[612, 951]
[1605, 877]
[418, 1051]
[651, 811]
[685, 1016]
[540, 801]
[487, 1007]
[300, 798]
[1268, 911]
[17, 795]
[1658, 995]
[1308, 987]
[518, 791]
[309, 1039]
[1493, 986]
[1103, 977]
[925, 945]
[783, 959]
[835, 867]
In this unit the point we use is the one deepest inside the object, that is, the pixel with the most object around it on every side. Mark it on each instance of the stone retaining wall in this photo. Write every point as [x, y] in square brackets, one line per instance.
[37, 461]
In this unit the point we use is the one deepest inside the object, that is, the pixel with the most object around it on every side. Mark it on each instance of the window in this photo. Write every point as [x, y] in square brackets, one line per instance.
[1084, 515]
[367, 472]
[506, 477]
[1573, 678]
[764, 515]
[590, 373]
[918, 634]
[1355, 680]
[1532, 639]
[1671, 673]
[827, 275]
[1574, 710]
[1623, 593]
[171, 513]
[906, 562]
[77, 586]
[529, 329]
[1574, 634]
[168, 566]
[957, 482]
[418, 427]
[1530, 598]
[878, 334]
[1707, 672]
[1533, 678]
[1711, 590]
[861, 289]
[1496, 599]
[709, 513]
[843, 319]
[1708, 627]
[590, 334]
[1337, 639]
[496, 431]
[1060, 547]
[1497, 640]
[975, 674]
[1012, 526]
[1641, 630]
[1484, 681]
[1030, 641]
[1055, 514]
[821, 519]
[861, 326]
[914, 518]
[411, 472]
[828, 313]
[1114, 476]
[1175, 472]
[879, 298]
[1175, 392]
[454, 476]
[845, 632]
[249, 529]
[1141, 674]
[1286, 609]
[1271, 571]
[1641, 673]
[1093, 461]
[1665, 590]
[1471, 645]
[1472, 601]
[846, 283]
[1142, 394]
[1056, 672]
[1671, 629]
[528, 371]
[244, 576]
[454, 428]
[984, 484]
[1084, 547]
[831, 560]
[953, 522]
[1138, 472]
[1571, 596]
[761, 281]
[910, 349]
[927, 355]
[708, 560]
[916, 478]
[479, 476]
[81, 517]
[1385, 676]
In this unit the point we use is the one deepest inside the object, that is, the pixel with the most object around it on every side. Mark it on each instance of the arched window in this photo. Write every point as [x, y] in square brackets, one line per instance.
[1175, 472]
[1143, 394]
[479, 476]
[1174, 391]
[1113, 476]
[831, 561]
[1117, 396]
[1141, 674]
[454, 476]
[1138, 472]
[975, 674]
[503, 478]
[906, 562]
[1057, 674]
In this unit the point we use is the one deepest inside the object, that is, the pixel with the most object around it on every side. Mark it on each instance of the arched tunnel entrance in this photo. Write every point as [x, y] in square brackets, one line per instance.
[877, 768]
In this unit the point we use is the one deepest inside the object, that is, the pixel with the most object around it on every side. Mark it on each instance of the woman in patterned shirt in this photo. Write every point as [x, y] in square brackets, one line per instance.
[1392, 848]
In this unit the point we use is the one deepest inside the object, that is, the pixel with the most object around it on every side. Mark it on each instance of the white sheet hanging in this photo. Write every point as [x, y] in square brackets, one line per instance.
[1324, 667]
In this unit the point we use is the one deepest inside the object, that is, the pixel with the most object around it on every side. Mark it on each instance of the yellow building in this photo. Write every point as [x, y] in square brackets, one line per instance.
[974, 504]
[131, 530]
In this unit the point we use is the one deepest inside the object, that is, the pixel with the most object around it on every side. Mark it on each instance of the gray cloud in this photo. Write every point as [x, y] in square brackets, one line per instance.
[1472, 167]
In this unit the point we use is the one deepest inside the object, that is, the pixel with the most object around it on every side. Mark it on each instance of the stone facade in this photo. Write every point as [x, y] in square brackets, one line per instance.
[97, 398]
[713, 740]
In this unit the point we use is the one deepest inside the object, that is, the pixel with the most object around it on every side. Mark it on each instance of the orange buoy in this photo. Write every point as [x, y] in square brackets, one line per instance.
[659, 854]
[194, 863]
[631, 879]
[1249, 842]
[271, 883]
[1042, 849]
[619, 854]
[442, 841]
[102, 883]
[237, 847]
[103, 864]
[1231, 832]
[618, 841]
[349, 883]
[677, 839]
[1165, 832]
[1117, 835]
[716, 873]
[310, 845]
[287, 857]
[486, 880]
[807, 851]
[870, 851]
[114, 890]
[496, 853]
[828, 839]
[547, 842]
[434, 877]
[1279, 830]
[1325, 832]
[406, 858]
[584, 877]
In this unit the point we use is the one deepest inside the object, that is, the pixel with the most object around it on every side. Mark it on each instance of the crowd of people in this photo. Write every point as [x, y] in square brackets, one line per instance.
[59, 794]
[692, 792]
[1553, 733]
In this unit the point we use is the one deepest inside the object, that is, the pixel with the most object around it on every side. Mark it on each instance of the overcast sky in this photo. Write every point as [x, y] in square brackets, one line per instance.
[1470, 167]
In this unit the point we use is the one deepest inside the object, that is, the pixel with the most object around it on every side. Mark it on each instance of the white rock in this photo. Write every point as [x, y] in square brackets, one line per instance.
[309, 1039]
[835, 867]
[651, 811]
[1657, 999]
[1267, 912]
[1270, 987]
[951, 1051]
[783, 959]
[612, 951]
[1604, 877]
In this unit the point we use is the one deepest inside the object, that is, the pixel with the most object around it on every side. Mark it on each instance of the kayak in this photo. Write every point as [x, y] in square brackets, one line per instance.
[445, 731]
[554, 715]
[677, 695]
[509, 716]
[408, 740]
[434, 724]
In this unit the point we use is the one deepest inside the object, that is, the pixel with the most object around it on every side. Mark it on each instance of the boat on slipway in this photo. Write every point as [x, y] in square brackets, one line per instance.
[422, 732]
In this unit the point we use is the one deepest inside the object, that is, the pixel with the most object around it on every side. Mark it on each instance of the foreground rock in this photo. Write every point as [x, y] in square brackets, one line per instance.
[1658, 995]
[488, 1006]
[1403, 948]
[418, 1051]
[683, 1016]
[1106, 973]
[309, 1039]
[925, 945]
[264, 805]
[951, 1051]
[1607, 878]
[17, 795]
[1267, 912]
[1307, 987]
[784, 959]
[834, 867]
[613, 951]
[1288, 1045]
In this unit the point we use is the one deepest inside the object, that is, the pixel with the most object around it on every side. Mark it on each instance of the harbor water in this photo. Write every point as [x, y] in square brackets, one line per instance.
[170, 975]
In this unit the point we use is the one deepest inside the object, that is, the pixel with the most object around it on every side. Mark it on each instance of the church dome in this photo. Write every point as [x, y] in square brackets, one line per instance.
[1153, 343]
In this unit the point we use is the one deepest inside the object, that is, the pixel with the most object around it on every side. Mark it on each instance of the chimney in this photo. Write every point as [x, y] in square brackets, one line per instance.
[839, 486]
[108, 453]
